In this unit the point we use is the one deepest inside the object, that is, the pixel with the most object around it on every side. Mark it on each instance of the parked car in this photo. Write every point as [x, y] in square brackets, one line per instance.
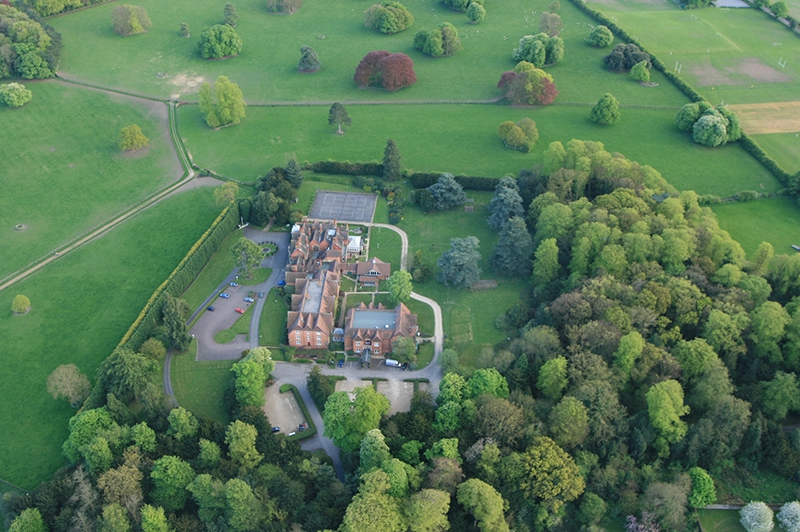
[281, 283]
[303, 426]
[341, 363]
[224, 295]
[249, 299]
[275, 429]
[234, 283]
[240, 310]
[404, 366]
[211, 309]
[261, 294]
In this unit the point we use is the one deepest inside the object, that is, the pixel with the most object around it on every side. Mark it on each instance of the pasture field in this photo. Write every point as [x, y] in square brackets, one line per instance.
[783, 147]
[62, 171]
[199, 386]
[773, 220]
[82, 304]
[266, 69]
[463, 140]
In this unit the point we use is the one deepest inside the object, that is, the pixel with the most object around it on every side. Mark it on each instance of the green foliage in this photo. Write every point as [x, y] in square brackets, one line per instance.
[338, 115]
[185, 30]
[779, 9]
[388, 17]
[372, 508]
[446, 192]
[484, 503]
[629, 351]
[83, 428]
[539, 50]
[569, 422]
[143, 437]
[219, 41]
[225, 105]
[781, 395]
[241, 440]
[182, 423]
[444, 448]
[130, 20]
[252, 373]
[549, 475]
[170, 475]
[30, 520]
[230, 15]
[153, 519]
[176, 312]
[243, 512]
[475, 12]
[392, 171]
[553, 378]
[600, 37]
[520, 136]
[665, 407]
[511, 256]
[248, 256]
[592, 509]
[550, 24]
[309, 60]
[347, 422]
[114, 519]
[528, 85]
[442, 41]
[15, 94]
[756, 517]
[427, 509]
[640, 71]
[486, 381]
[374, 451]
[20, 304]
[703, 492]
[710, 130]
[399, 286]
[459, 265]
[606, 110]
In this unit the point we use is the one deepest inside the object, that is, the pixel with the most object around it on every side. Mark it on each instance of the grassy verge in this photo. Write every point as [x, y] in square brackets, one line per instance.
[199, 386]
[241, 326]
[272, 324]
[425, 355]
[783, 147]
[217, 269]
[259, 276]
[773, 220]
[312, 429]
[424, 312]
[67, 174]
[82, 305]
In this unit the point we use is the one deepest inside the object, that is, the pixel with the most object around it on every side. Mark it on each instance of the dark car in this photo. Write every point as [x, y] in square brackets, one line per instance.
[341, 363]
[404, 366]
[302, 427]
[281, 283]
[211, 309]
[275, 429]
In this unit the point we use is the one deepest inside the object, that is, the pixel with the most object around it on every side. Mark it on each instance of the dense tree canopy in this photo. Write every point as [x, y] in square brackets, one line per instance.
[28, 48]
[459, 265]
[528, 85]
[389, 17]
[600, 37]
[15, 94]
[219, 41]
[224, 105]
[130, 20]
[385, 69]
[442, 41]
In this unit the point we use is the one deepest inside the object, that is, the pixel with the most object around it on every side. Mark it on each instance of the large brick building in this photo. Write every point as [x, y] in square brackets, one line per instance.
[375, 328]
[310, 321]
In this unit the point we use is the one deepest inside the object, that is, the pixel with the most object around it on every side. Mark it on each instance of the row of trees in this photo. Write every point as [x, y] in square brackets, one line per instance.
[442, 41]
[540, 50]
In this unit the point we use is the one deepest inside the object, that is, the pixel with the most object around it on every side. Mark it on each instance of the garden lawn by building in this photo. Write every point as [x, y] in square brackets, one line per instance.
[266, 69]
[220, 265]
[67, 173]
[472, 147]
[386, 245]
[82, 305]
[199, 386]
[774, 220]
[259, 276]
[272, 324]
[720, 520]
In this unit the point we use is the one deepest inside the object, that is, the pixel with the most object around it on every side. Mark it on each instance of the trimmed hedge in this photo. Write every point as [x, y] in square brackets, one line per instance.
[752, 147]
[426, 179]
[348, 168]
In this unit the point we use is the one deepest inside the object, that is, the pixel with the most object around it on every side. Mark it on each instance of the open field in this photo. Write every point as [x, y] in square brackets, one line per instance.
[267, 67]
[775, 117]
[647, 136]
[82, 305]
[272, 324]
[199, 386]
[784, 148]
[774, 220]
[63, 172]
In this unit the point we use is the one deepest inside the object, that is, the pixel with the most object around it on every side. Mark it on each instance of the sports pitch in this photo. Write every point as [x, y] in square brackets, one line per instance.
[344, 206]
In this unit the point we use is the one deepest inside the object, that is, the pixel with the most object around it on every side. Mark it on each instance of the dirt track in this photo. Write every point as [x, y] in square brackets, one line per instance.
[772, 117]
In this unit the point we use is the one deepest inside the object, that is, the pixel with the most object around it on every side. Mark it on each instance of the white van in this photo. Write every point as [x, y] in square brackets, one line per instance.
[392, 363]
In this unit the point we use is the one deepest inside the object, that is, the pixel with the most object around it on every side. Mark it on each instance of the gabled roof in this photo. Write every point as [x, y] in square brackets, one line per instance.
[374, 264]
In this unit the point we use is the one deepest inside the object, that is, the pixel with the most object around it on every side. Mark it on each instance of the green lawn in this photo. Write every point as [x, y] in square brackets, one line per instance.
[267, 67]
[783, 147]
[199, 386]
[82, 304]
[773, 220]
[241, 326]
[424, 312]
[259, 276]
[272, 324]
[217, 269]
[386, 245]
[63, 173]
[720, 521]
[472, 146]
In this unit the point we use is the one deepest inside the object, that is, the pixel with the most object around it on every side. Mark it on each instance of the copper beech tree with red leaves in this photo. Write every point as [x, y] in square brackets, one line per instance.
[528, 85]
[390, 71]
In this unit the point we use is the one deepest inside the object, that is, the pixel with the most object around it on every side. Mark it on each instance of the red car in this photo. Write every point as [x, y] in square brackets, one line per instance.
[240, 310]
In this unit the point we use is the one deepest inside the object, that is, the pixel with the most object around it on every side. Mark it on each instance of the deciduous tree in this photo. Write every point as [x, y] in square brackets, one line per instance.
[606, 110]
[703, 492]
[665, 407]
[789, 516]
[154, 520]
[170, 476]
[710, 130]
[67, 382]
[230, 15]
[442, 41]
[569, 422]
[545, 262]
[388, 17]
[551, 24]
[15, 94]
[475, 12]
[130, 20]
[175, 314]
[484, 503]
[374, 451]
[218, 42]
[426, 511]
[640, 72]
[756, 517]
[248, 256]
[241, 440]
[399, 286]
[224, 105]
[252, 373]
[182, 423]
[243, 512]
[347, 422]
[553, 378]
[600, 37]
[185, 30]
[20, 304]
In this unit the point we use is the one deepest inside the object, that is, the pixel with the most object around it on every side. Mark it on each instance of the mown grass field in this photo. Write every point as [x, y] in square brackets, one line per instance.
[62, 171]
[199, 386]
[385, 245]
[82, 304]
[773, 220]
[267, 67]
[783, 147]
[463, 139]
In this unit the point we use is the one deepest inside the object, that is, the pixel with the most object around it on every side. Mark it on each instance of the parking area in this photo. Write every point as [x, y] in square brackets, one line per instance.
[344, 206]
[399, 394]
[282, 410]
[350, 385]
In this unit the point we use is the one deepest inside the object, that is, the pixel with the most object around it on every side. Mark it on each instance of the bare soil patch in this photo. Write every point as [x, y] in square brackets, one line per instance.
[185, 82]
[772, 117]
[707, 75]
[749, 67]
[760, 72]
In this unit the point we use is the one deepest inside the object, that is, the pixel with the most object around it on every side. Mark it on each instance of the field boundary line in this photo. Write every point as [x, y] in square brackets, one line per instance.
[111, 89]
[13, 485]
